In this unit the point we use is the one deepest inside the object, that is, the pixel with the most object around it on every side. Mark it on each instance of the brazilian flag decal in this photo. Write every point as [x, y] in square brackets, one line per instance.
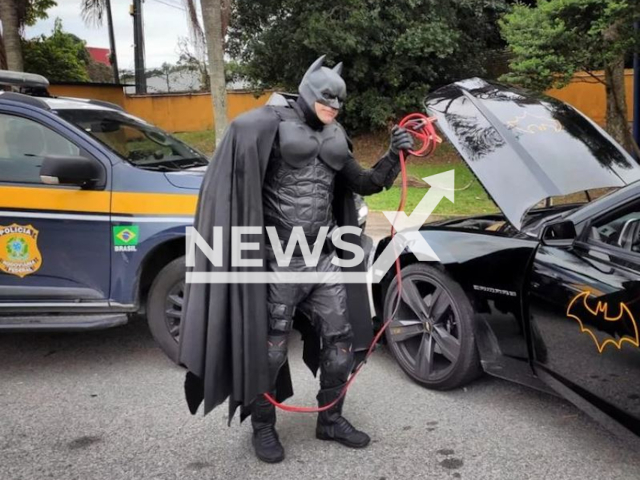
[125, 236]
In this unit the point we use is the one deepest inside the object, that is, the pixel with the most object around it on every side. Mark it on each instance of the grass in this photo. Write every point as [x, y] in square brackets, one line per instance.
[204, 140]
[469, 199]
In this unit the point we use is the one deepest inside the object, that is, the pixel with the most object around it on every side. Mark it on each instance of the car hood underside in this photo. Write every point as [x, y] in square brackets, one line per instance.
[526, 147]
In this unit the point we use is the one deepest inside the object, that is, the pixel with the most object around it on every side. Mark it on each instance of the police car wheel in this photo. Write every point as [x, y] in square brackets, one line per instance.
[164, 306]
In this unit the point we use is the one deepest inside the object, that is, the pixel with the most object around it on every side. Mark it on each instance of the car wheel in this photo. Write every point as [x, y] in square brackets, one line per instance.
[164, 306]
[431, 335]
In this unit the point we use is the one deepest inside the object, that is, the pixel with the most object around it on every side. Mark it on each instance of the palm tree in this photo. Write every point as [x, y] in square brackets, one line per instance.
[12, 15]
[93, 12]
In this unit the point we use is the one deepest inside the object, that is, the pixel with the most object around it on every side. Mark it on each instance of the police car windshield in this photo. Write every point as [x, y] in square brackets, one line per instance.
[139, 143]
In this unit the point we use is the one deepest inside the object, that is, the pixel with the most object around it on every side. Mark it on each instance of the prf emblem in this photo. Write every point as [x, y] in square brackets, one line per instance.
[19, 254]
[623, 325]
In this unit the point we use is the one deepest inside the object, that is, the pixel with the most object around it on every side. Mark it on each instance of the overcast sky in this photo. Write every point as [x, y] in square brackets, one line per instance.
[165, 21]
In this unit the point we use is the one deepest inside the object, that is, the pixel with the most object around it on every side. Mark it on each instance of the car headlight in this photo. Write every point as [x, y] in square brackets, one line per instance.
[362, 209]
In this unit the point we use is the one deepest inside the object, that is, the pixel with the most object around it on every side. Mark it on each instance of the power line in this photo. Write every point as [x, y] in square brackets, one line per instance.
[176, 3]
[170, 5]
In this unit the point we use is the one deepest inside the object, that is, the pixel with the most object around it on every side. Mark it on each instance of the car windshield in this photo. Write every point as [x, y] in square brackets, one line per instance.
[134, 140]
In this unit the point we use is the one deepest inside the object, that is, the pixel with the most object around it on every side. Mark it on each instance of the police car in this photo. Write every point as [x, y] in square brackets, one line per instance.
[94, 203]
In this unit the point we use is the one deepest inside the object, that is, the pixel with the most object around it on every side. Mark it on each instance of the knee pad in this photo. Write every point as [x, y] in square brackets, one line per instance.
[277, 353]
[337, 363]
[332, 335]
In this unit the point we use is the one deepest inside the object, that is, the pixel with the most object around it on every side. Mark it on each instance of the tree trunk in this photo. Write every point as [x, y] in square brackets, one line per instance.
[616, 113]
[212, 19]
[617, 123]
[11, 34]
[113, 57]
[3, 55]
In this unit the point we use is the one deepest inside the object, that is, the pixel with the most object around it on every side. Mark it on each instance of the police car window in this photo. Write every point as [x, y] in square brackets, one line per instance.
[23, 146]
[620, 229]
[139, 143]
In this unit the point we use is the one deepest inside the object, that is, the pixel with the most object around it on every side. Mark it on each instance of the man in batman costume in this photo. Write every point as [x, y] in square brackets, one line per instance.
[283, 165]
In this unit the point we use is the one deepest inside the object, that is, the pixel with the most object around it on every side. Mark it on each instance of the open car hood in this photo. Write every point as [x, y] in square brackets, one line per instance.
[526, 147]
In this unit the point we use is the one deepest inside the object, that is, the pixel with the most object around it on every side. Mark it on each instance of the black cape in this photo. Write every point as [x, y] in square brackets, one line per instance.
[223, 336]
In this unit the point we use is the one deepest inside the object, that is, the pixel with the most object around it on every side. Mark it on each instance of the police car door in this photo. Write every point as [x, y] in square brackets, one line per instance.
[54, 238]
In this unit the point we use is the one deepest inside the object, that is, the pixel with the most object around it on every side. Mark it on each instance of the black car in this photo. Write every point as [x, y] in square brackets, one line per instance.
[546, 294]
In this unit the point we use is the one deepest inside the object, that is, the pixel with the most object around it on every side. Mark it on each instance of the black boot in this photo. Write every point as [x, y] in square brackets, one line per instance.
[333, 426]
[265, 438]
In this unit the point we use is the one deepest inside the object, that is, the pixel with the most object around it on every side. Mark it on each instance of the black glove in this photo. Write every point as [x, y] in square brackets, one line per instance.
[401, 139]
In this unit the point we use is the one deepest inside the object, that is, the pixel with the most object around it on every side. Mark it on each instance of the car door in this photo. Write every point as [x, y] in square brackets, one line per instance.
[585, 315]
[54, 239]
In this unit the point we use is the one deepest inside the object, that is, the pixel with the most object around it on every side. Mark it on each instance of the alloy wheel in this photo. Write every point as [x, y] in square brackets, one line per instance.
[424, 334]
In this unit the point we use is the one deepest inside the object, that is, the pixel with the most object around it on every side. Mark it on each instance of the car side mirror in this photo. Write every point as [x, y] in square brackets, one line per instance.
[560, 234]
[71, 170]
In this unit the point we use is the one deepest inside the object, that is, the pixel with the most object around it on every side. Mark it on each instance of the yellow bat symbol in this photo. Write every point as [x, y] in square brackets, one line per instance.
[530, 123]
[574, 309]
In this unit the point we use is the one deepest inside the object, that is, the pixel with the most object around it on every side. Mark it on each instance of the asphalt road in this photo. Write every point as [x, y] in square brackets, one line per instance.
[108, 405]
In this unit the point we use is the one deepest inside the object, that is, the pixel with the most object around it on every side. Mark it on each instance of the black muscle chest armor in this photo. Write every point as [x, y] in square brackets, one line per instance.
[299, 183]
[300, 144]
[300, 196]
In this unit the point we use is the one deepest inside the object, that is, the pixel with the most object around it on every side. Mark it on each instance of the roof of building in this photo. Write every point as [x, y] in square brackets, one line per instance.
[100, 55]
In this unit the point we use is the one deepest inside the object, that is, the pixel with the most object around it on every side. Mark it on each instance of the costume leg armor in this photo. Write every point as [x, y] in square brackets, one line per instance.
[282, 299]
[327, 304]
[266, 441]
[280, 324]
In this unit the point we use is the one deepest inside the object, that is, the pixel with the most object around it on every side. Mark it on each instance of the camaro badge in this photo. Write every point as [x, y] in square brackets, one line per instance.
[623, 326]
[19, 254]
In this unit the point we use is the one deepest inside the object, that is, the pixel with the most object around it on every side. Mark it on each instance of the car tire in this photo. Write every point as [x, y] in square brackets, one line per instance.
[164, 306]
[447, 343]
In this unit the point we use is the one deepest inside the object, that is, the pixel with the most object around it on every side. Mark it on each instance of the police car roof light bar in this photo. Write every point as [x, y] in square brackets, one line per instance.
[21, 79]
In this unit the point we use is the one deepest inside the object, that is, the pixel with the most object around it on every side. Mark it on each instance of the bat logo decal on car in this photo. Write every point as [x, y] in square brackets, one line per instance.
[623, 326]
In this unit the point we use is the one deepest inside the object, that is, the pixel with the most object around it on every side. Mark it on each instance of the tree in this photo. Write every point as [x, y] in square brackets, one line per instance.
[127, 75]
[393, 52]
[3, 55]
[93, 12]
[99, 72]
[62, 56]
[14, 15]
[215, 16]
[553, 40]
[59, 57]
[193, 59]
[11, 34]
[164, 71]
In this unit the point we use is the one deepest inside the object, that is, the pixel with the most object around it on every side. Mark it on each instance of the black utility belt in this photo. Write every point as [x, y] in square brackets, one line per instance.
[285, 238]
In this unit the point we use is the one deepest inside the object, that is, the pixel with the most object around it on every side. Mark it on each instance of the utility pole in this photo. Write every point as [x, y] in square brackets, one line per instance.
[138, 40]
[113, 58]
